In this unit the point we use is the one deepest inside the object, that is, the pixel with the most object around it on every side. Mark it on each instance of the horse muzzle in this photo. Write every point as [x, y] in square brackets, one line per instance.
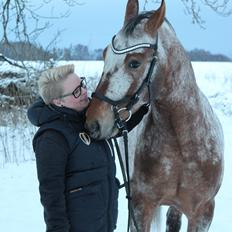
[99, 120]
[93, 129]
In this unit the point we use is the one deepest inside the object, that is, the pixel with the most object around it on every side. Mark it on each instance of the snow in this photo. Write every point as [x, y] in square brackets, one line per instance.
[20, 208]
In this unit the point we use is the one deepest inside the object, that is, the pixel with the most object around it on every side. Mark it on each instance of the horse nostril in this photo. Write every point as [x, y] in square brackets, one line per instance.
[93, 129]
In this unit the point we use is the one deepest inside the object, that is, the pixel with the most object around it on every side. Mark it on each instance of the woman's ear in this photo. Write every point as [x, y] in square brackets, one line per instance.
[57, 102]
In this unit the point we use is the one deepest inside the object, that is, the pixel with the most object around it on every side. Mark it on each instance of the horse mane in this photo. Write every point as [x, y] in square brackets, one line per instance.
[134, 21]
[169, 24]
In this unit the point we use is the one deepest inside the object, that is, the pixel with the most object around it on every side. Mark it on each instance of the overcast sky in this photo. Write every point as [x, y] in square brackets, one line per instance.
[96, 21]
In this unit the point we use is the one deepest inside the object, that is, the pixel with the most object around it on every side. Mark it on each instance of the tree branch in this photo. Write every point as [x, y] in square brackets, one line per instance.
[193, 8]
[12, 62]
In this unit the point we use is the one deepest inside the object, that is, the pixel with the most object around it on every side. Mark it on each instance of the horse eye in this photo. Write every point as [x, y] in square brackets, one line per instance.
[134, 64]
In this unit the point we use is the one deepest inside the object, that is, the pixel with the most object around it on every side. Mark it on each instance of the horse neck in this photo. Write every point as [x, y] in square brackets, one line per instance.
[174, 78]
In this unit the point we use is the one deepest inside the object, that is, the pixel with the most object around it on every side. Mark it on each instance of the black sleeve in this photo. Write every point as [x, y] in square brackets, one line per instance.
[51, 157]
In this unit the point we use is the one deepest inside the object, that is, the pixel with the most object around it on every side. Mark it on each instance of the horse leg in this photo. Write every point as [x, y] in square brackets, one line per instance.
[143, 213]
[173, 223]
[202, 218]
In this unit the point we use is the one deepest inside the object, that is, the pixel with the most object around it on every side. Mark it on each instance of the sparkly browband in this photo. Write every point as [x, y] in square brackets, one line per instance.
[134, 47]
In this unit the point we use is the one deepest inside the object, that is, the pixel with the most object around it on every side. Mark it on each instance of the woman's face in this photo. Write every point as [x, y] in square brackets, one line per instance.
[78, 103]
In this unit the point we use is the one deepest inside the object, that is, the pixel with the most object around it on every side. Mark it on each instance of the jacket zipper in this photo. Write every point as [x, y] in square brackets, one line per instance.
[75, 190]
[110, 208]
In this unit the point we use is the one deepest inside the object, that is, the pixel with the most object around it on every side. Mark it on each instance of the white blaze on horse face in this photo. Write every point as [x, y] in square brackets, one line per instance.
[119, 80]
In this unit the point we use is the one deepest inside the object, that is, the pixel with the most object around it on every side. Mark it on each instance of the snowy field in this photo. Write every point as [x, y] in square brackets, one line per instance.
[20, 208]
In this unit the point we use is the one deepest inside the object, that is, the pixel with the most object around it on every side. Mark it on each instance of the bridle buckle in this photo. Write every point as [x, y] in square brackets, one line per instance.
[129, 114]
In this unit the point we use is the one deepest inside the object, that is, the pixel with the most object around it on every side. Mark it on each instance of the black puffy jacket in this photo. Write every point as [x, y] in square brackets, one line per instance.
[78, 188]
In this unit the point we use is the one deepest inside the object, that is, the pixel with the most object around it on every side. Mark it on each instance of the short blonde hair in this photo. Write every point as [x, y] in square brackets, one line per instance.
[50, 82]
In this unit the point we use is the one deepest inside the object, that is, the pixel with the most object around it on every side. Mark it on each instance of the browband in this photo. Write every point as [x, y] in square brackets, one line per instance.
[134, 47]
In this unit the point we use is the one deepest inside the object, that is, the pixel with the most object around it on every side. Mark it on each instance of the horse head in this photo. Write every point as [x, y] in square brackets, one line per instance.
[129, 63]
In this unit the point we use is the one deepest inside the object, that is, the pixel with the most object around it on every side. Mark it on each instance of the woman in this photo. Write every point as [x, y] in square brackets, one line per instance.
[76, 174]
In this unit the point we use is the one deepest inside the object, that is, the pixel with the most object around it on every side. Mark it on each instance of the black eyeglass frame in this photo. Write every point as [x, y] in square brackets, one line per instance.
[77, 91]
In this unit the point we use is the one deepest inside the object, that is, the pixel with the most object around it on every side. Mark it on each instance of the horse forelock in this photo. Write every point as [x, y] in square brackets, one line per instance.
[133, 22]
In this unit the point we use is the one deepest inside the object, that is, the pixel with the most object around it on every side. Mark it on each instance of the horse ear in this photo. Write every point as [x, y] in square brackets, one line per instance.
[132, 10]
[156, 19]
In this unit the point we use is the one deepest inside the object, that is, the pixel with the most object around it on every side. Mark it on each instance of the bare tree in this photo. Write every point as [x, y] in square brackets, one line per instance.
[14, 18]
[194, 8]
[15, 15]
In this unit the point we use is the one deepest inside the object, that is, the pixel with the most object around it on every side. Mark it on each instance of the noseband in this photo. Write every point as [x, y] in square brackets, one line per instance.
[130, 100]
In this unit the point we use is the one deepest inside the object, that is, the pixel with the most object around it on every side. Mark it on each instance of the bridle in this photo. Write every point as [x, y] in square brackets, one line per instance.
[121, 123]
[130, 100]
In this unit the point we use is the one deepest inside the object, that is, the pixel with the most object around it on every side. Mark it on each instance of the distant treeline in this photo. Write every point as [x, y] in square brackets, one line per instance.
[26, 51]
[202, 55]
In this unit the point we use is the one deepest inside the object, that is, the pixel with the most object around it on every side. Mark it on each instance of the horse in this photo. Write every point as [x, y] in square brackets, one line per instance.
[176, 152]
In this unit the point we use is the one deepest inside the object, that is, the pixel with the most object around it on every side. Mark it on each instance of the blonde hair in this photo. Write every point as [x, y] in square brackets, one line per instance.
[50, 82]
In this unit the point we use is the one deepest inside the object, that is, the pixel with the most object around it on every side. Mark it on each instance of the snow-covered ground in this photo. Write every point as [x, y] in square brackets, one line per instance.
[20, 208]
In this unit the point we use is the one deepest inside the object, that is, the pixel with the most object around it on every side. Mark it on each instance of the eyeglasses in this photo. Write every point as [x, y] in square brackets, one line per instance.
[77, 91]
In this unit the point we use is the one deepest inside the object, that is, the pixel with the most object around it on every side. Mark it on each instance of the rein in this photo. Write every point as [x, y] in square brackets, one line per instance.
[126, 178]
[122, 123]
